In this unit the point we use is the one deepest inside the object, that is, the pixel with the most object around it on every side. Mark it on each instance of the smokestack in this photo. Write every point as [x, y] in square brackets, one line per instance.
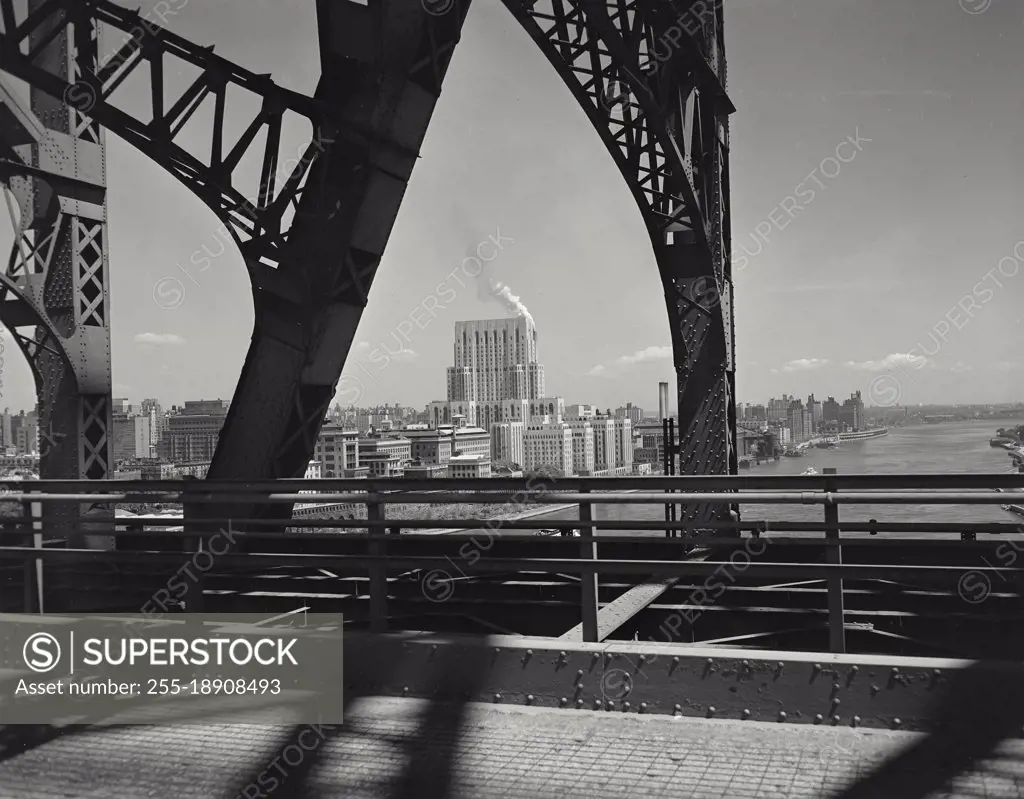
[662, 400]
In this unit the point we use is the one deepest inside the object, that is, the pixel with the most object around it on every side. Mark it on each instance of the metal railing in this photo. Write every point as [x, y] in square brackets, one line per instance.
[382, 547]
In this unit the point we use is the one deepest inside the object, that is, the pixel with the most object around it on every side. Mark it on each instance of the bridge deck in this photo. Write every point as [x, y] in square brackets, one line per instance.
[504, 751]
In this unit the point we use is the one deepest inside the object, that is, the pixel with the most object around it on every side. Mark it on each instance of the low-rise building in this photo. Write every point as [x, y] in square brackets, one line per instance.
[469, 466]
[425, 471]
[337, 451]
[383, 464]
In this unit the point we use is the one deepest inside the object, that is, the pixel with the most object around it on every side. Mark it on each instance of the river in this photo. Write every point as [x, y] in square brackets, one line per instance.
[956, 447]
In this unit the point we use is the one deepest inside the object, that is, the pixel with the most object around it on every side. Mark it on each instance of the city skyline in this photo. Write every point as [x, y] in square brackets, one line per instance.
[819, 301]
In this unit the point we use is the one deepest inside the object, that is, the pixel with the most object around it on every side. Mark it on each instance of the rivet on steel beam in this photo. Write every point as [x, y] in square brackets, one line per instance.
[563, 701]
[497, 697]
[529, 698]
[711, 711]
[856, 721]
[818, 718]
[746, 713]
[677, 710]
[896, 722]
[625, 707]
[643, 707]
[782, 715]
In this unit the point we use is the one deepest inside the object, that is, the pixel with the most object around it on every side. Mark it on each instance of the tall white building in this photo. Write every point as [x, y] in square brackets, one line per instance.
[623, 443]
[495, 377]
[582, 446]
[548, 445]
[604, 443]
[507, 442]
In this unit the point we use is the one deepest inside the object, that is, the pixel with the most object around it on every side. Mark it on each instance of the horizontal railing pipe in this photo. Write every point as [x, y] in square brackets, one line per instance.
[449, 498]
[595, 484]
[541, 565]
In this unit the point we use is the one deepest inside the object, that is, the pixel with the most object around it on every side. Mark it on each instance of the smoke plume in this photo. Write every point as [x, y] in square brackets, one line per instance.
[490, 288]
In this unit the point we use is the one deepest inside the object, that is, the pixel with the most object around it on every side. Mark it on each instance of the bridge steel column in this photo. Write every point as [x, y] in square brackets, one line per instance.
[651, 78]
[383, 67]
[54, 295]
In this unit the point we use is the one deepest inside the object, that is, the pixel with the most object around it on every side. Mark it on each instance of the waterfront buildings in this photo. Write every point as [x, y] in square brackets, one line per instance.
[192, 434]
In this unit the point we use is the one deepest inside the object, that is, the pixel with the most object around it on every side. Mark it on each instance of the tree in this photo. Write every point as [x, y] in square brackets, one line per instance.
[545, 471]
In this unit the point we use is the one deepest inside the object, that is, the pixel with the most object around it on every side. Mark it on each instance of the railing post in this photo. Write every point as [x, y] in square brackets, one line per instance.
[588, 577]
[33, 593]
[834, 557]
[378, 570]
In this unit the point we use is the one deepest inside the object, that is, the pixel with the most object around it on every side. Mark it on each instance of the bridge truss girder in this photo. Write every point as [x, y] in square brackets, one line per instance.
[54, 288]
[662, 116]
[383, 68]
[650, 75]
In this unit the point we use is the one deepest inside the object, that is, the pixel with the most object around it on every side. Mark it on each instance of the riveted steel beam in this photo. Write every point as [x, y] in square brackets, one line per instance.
[383, 67]
[54, 291]
[792, 687]
[651, 78]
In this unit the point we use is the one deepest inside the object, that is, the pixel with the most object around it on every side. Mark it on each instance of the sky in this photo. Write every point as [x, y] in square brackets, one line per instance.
[891, 271]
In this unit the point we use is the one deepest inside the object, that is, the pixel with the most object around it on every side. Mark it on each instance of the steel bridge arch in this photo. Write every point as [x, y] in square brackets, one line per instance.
[667, 135]
[664, 121]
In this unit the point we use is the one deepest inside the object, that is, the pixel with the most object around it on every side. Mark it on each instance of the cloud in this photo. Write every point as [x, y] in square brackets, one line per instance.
[805, 364]
[649, 354]
[652, 353]
[896, 359]
[159, 339]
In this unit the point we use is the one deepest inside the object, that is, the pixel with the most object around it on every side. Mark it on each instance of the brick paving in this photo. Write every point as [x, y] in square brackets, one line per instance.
[504, 751]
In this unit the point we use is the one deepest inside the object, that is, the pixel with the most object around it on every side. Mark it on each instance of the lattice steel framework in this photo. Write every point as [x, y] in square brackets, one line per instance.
[651, 77]
[650, 74]
[54, 295]
[311, 241]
